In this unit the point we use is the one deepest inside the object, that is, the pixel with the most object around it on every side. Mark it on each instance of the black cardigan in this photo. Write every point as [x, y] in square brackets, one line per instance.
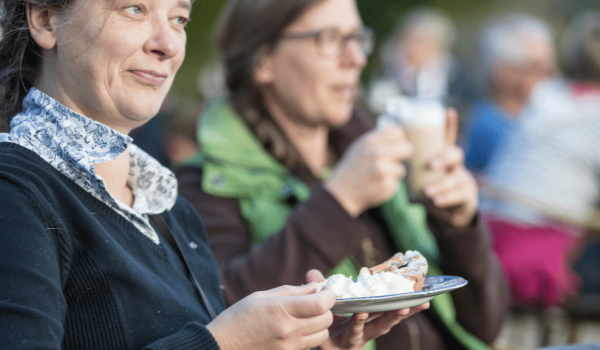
[74, 274]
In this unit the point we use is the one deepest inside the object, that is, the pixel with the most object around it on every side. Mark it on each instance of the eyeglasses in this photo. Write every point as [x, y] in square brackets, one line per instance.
[331, 43]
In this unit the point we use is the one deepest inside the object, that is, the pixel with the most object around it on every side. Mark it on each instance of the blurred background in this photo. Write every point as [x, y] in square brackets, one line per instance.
[467, 36]
[198, 78]
[382, 15]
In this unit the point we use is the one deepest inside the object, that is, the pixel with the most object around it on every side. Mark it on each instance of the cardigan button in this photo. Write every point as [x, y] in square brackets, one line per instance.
[193, 245]
[217, 181]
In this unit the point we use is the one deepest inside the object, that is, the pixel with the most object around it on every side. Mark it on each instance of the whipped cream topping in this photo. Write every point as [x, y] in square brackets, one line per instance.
[397, 275]
[368, 285]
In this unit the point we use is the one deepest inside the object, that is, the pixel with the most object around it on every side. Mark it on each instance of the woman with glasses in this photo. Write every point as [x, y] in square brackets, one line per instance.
[291, 177]
[97, 250]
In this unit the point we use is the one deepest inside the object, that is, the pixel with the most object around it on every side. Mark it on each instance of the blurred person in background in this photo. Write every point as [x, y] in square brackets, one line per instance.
[542, 187]
[517, 51]
[84, 261]
[290, 177]
[417, 62]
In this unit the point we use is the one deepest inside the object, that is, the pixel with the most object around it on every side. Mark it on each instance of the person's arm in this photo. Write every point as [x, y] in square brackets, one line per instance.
[464, 244]
[32, 305]
[293, 318]
[192, 336]
[34, 256]
[284, 258]
[35, 252]
[482, 304]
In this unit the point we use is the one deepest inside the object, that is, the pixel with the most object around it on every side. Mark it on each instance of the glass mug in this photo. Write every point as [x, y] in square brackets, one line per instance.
[424, 122]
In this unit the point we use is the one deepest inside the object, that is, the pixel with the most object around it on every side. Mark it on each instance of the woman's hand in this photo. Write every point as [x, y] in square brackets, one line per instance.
[454, 196]
[353, 332]
[287, 318]
[370, 170]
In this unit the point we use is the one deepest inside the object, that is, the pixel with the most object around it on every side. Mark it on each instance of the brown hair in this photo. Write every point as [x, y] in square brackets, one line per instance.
[247, 29]
[19, 55]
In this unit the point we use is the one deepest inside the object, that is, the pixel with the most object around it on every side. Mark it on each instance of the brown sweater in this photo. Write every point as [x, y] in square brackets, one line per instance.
[319, 233]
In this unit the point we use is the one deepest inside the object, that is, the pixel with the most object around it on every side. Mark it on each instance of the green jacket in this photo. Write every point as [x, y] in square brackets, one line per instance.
[235, 165]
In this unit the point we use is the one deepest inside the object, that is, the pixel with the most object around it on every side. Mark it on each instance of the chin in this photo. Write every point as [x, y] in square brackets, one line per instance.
[141, 113]
[339, 117]
[142, 101]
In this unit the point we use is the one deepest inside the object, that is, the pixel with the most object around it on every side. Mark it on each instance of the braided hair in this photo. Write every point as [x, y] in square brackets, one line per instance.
[248, 29]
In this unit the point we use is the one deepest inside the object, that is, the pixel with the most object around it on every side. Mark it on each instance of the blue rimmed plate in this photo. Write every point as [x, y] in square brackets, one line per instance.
[433, 286]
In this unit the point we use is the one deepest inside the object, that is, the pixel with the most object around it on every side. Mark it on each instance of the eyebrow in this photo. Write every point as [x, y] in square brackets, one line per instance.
[185, 4]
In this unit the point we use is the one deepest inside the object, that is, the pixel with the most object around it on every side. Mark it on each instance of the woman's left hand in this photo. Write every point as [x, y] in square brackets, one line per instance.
[454, 196]
[353, 332]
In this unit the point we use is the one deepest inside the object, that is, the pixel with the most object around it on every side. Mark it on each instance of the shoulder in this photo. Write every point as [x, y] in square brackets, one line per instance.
[480, 120]
[37, 183]
[30, 197]
[485, 110]
[26, 169]
[13, 153]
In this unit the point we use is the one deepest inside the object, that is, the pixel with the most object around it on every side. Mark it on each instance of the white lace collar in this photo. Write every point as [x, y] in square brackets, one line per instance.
[72, 143]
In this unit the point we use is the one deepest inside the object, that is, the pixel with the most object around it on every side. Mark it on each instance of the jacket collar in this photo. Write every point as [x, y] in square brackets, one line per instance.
[225, 137]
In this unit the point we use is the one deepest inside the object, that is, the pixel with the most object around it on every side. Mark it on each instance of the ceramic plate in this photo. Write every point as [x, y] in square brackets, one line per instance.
[433, 286]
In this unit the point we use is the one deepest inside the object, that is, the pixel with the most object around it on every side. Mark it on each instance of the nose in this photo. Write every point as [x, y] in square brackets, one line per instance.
[164, 42]
[353, 55]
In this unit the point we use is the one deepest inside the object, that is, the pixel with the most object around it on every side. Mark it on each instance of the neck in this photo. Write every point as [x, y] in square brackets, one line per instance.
[115, 174]
[310, 140]
[510, 104]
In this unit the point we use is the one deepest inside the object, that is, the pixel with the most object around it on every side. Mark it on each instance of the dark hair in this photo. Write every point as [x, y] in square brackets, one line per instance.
[581, 47]
[19, 55]
[246, 30]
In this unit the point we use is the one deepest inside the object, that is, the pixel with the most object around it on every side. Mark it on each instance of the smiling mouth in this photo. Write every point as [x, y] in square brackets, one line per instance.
[150, 78]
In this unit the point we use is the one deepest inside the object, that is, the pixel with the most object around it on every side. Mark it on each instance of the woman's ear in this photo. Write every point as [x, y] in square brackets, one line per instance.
[263, 72]
[42, 25]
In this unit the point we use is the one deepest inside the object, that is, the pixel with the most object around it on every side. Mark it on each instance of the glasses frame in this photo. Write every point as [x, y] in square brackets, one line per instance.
[365, 39]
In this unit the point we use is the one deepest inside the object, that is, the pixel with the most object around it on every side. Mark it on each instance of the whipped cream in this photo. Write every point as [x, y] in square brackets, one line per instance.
[368, 285]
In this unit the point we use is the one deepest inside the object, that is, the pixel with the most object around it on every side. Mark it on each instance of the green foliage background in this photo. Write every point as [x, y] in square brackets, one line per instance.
[200, 46]
[382, 15]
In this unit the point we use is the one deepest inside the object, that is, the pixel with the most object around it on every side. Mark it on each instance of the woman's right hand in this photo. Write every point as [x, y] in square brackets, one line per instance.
[370, 170]
[286, 318]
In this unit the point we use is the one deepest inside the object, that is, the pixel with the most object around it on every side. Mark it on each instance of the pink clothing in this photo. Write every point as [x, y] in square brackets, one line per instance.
[535, 260]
